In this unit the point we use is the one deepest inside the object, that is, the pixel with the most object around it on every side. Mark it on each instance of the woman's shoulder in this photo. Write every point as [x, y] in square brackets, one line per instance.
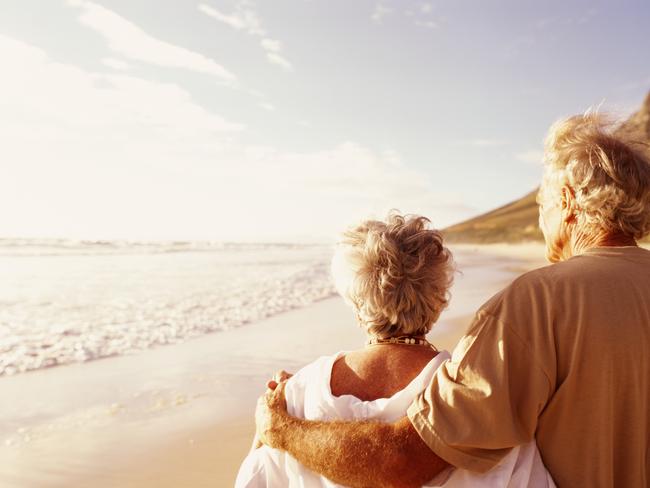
[376, 374]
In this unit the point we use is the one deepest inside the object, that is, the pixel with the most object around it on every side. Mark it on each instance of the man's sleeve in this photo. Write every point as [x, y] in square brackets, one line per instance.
[485, 400]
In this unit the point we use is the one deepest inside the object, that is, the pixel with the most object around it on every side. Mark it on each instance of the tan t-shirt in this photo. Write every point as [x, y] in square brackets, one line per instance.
[561, 355]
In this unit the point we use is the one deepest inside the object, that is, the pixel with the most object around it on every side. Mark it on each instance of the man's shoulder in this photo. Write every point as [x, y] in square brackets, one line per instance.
[542, 287]
[584, 268]
[549, 278]
[539, 275]
[529, 287]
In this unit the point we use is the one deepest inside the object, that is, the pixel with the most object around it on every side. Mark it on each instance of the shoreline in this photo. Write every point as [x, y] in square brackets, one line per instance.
[182, 415]
[63, 423]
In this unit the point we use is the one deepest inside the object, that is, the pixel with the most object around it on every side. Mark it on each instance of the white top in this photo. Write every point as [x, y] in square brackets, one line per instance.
[309, 396]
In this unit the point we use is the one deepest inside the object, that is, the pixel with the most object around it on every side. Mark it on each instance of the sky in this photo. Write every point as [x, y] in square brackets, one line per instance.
[288, 120]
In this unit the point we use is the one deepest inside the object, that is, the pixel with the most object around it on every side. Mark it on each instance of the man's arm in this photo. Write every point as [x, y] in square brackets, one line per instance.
[357, 454]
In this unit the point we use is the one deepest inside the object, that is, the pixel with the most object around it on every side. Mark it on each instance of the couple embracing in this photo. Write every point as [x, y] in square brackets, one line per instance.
[550, 386]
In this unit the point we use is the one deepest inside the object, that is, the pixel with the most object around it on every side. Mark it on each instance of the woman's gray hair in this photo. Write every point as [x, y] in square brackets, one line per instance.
[609, 175]
[396, 274]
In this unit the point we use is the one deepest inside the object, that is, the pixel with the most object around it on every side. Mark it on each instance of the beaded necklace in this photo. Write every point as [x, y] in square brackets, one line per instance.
[405, 339]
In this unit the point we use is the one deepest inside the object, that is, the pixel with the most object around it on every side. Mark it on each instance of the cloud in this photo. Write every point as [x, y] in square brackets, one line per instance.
[273, 50]
[427, 24]
[379, 13]
[518, 46]
[333, 188]
[531, 156]
[116, 64]
[421, 16]
[483, 142]
[57, 103]
[271, 45]
[128, 40]
[112, 155]
[488, 142]
[247, 20]
[566, 21]
[635, 85]
[93, 153]
[267, 106]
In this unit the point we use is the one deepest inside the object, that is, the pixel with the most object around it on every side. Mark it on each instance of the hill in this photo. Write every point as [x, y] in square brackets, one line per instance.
[638, 125]
[514, 222]
[518, 221]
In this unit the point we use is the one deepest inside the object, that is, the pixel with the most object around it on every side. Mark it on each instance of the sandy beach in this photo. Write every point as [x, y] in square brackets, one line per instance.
[182, 415]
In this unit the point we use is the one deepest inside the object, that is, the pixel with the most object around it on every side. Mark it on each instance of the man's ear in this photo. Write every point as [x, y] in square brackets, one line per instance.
[568, 204]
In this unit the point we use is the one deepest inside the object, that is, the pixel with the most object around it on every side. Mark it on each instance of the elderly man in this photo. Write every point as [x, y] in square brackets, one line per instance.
[561, 355]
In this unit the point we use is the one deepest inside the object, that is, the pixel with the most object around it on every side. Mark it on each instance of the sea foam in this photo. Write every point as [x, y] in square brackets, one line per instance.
[63, 302]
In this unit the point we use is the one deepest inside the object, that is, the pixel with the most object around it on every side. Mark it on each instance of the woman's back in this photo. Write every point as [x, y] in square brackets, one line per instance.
[386, 378]
[378, 371]
[376, 383]
[396, 275]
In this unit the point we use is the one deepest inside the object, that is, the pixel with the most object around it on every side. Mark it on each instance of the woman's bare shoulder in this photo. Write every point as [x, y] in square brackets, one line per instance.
[378, 372]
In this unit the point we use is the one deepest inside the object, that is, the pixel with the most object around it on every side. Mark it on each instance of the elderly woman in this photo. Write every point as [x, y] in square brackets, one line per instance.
[396, 276]
[561, 355]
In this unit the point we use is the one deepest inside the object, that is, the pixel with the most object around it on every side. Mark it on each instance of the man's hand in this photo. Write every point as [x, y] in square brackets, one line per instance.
[271, 385]
[278, 377]
[270, 414]
[355, 454]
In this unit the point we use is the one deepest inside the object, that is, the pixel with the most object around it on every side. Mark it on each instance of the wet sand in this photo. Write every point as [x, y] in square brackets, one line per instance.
[182, 415]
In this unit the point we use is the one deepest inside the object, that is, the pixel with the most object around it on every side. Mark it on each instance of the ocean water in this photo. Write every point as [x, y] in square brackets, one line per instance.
[63, 302]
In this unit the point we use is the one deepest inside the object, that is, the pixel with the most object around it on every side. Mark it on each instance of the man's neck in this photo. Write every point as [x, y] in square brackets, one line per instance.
[582, 241]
